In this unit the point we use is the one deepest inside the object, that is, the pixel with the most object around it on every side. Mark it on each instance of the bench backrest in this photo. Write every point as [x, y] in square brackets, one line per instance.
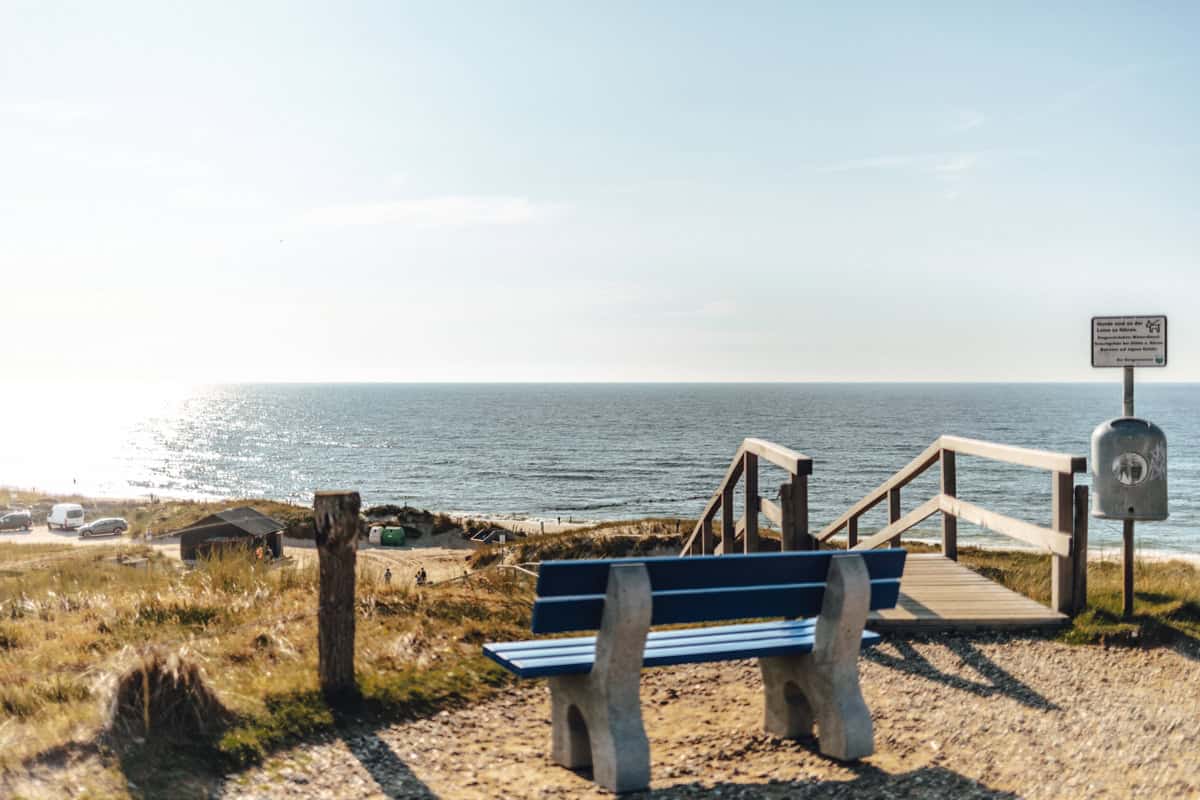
[707, 588]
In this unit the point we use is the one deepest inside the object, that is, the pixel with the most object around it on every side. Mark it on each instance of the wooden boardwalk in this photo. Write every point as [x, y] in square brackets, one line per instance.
[937, 594]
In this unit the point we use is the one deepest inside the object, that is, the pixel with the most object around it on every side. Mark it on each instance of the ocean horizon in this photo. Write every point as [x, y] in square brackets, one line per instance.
[582, 451]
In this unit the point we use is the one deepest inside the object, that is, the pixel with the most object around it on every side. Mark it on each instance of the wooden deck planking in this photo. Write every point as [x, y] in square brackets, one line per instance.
[937, 594]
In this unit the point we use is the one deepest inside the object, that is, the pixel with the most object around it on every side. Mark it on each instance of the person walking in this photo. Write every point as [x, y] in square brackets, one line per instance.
[387, 576]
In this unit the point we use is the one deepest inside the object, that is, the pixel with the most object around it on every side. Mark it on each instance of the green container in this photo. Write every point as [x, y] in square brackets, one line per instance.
[392, 537]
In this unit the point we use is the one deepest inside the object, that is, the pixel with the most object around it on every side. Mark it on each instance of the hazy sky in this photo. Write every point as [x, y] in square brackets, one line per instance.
[600, 191]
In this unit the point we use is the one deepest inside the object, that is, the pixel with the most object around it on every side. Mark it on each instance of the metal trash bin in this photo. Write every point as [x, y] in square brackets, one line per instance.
[393, 537]
[1129, 470]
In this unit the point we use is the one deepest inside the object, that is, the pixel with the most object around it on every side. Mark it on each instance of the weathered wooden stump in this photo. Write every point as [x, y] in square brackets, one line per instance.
[337, 526]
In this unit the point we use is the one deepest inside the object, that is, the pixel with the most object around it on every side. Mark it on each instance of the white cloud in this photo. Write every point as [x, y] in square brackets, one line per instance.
[875, 162]
[968, 119]
[50, 111]
[955, 165]
[436, 212]
[935, 162]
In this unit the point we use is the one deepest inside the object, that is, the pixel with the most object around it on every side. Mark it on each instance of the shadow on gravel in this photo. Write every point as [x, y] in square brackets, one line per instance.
[995, 681]
[869, 781]
[392, 775]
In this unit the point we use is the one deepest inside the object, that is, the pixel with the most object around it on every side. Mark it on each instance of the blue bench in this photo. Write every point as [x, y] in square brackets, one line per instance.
[809, 659]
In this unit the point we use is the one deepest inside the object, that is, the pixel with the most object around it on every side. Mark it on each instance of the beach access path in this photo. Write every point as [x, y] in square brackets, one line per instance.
[443, 557]
[966, 716]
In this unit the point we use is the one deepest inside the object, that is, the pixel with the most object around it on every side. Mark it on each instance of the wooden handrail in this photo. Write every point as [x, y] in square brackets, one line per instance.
[1050, 541]
[770, 510]
[1054, 542]
[1021, 456]
[1058, 540]
[909, 520]
[902, 477]
[797, 465]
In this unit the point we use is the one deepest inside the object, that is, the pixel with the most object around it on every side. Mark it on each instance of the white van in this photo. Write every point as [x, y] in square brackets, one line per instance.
[66, 516]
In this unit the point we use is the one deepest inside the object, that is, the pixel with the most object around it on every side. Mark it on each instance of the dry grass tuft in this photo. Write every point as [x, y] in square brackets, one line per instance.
[166, 695]
[606, 540]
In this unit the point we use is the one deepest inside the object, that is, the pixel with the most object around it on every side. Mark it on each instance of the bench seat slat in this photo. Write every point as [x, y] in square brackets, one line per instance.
[660, 638]
[545, 648]
[584, 612]
[579, 659]
[568, 641]
[667, 573]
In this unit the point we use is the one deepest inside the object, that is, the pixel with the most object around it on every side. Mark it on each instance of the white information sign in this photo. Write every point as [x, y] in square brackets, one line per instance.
[1129, 341]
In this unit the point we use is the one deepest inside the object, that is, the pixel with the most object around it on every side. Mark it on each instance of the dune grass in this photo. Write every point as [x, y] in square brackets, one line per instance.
[656, 536]
[68, 627]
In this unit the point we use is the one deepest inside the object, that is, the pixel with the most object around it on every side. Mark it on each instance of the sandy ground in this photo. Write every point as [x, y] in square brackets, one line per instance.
[530, 526]
[955, 717]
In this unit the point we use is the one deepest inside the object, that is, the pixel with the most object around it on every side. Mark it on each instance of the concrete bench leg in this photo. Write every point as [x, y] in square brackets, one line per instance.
[597, 718]
[821, 687]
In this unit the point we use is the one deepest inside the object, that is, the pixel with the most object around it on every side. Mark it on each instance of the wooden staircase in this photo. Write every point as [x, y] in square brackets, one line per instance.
[1064, 540]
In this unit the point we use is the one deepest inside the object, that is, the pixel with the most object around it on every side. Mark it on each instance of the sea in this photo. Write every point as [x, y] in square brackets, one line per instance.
[578, 451]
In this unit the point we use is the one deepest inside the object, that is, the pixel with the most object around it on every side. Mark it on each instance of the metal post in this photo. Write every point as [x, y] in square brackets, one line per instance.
[1127, 609]
[1127, 404]
[1127, 593]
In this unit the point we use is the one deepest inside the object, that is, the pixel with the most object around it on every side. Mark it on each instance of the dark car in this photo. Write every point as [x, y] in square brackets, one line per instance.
[16, 521]
[108, 526]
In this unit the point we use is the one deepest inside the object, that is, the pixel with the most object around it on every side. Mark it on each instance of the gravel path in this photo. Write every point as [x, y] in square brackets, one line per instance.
[981, 716]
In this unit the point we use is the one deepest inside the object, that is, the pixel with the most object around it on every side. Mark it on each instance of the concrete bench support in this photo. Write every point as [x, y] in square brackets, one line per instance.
[821, 687]
[596, 718]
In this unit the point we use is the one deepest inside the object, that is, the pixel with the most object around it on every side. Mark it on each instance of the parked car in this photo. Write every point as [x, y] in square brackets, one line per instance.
[107, 526]
[65, 516]
[16, 521]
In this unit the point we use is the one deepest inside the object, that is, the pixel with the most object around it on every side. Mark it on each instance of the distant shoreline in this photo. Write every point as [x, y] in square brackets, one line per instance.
[531, 524]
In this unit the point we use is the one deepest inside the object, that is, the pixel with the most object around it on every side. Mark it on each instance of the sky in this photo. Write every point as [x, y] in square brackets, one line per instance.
[654, 191]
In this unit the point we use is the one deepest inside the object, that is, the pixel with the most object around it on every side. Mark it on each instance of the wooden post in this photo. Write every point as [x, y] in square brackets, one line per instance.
[336, 518]
[787, 528]
[793, 502]
[728, 541]
[800, 513]
[894, 512]
[750, 477]
[949, 521]
[1080, 547]
[1061, 569]
[851, 533]
[706, 536]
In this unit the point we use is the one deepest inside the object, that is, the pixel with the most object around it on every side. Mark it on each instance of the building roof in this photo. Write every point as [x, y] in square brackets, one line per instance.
[244, 518]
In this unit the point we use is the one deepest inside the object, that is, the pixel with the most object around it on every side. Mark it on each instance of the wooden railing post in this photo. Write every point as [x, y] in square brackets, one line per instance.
[800, 513]
[851, 533]
[949, 521]
[728, 534]
[1062, 519]
[1079, 544]
[335, 515]
[750, 476]
[787, 528]
[706, 536]
[793, 502]
[894, 513]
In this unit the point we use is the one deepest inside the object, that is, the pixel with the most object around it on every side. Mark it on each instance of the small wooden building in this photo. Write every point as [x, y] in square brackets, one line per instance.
[235, 528]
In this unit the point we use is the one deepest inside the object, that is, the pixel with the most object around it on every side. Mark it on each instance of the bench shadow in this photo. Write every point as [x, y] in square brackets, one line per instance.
[995, 681]
[868, 782]
[393, 777]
